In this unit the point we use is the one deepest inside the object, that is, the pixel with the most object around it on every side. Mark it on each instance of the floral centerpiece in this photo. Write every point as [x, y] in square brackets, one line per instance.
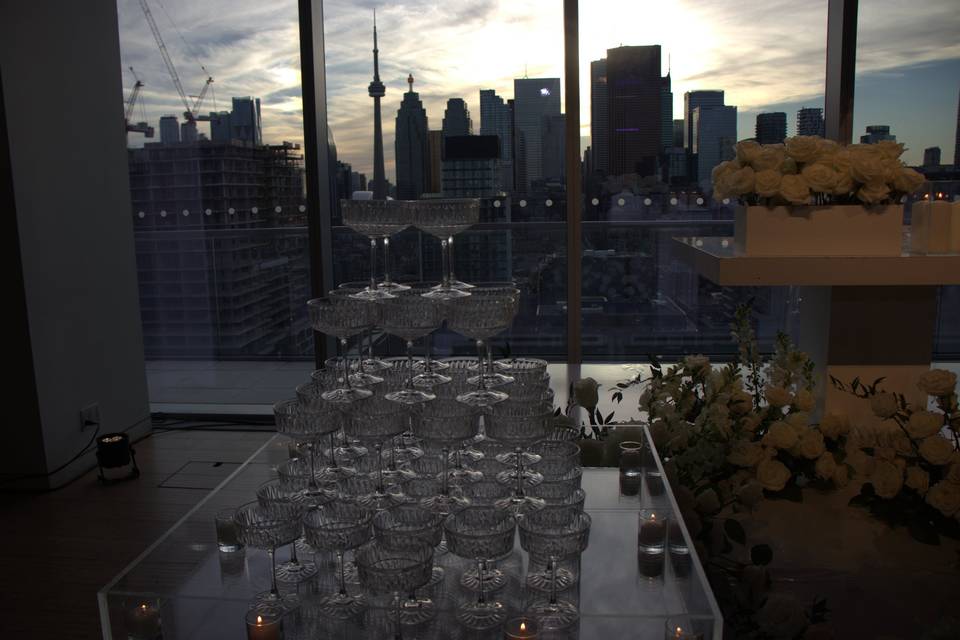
[811, 196]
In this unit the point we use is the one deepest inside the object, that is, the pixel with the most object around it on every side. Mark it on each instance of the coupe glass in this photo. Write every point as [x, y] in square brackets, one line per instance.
[481, 317]
[443, 219]
[361, 377]
[408, 528]
[272, 495]
[492, 377]
[557, 458]
[519, 502]
[552, 535]
[339, 527]
[554, 489]
[308, 419]
[516, 427]
[341, 317]
[371, 491]
[388, 570]
[530, 377]
[481, 534]
[410, 317]
[269, 528]
[376, 219]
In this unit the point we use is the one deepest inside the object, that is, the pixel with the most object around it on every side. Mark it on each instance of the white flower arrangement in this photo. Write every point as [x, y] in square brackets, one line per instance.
[812, 170]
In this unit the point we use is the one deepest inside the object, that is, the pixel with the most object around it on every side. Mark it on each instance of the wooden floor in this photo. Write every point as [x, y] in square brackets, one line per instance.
[58, 549]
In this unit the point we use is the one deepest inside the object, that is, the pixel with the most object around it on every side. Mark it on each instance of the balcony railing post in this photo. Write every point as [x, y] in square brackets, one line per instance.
[841, 70]
[571, 57]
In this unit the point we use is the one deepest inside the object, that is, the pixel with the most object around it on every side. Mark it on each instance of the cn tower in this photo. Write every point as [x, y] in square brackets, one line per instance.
[377, 91]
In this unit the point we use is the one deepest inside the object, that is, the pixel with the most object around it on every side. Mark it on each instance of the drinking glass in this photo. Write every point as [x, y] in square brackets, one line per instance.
[481, 317]
[308, 419]
[376, 219]
[492, 376]
[446, 501]
[481, 534]
[557, 458]
[517, 427]
[519, 502]
[339, 527]
[341, 317]
[268, 529]
[361, 377]
[442, 219]
[371, 491]
[558, 488]
[272, 495]
[227, 531]
[410, 317]
[388, 570]
[552, 535]
[530, 377]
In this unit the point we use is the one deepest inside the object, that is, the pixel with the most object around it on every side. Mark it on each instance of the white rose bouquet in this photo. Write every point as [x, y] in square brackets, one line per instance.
[812, 170]
[914, 477]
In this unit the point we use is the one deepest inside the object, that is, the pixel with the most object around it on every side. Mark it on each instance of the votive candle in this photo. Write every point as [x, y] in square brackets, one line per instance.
[143, 622]
[264, 625]
[521, 628]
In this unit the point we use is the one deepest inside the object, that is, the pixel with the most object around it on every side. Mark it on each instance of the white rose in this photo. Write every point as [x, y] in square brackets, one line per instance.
[841, 161]
[844, 186]
[745, 454]
[953, 475]
[768, 158]
[866, 167]
[884, 405]
[794, 189]
[751, 421]
[789, 167]
[887, 479]
[773, 475]
[811, 444]
[805, 401]
[820, 177]
[708, 502]
[803, 148]
[937, 382]
[841, 476]
[861, 462]
[781, 617]
[740, 182]
[696, 363]
[767, 183]
[585, 393]
[873, 192]
[834, 425]
[936, 450]
[917, 479]
[923, 424]
[944, 497]
[777, 396]
[747, 150]
[908, 180]
[890, 149]
[826, 466]
[780, 435]
[827, 148]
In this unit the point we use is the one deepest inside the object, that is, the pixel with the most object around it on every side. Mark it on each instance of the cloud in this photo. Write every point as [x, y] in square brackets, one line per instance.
[761, 54]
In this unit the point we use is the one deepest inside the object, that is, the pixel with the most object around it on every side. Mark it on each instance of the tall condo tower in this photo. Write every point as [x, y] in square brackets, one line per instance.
[377, 90]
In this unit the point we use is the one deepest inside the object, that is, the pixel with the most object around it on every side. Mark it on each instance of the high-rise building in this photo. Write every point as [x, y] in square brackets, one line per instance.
[533, 99]
[242, 123]
[496, 119]
[931, 156]
[188, 131]
[678, 129]
[771, 127]
[435, 148]
[412, 146]
[553, 137]
[376, 91]
[714, 137]
[456, 119]
[810, 122]
[877, 132]
[471, 167]
[169, 130]
[666, 115]
[636, 119]
[692, 100]
[599, 116]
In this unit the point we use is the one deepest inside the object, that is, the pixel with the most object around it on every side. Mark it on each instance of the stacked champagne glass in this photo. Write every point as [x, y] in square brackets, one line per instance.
[410, 477]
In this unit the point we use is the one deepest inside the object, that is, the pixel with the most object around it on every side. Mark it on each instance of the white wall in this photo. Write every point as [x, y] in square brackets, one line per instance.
[60, 62]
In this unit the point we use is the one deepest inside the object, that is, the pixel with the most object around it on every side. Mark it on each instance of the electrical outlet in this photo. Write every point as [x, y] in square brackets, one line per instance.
[90, 416]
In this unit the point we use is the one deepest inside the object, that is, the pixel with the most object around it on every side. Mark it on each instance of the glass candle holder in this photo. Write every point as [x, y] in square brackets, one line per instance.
[678, 549]
[227, 540]
[631, 467]
[522, 628]
[264, 625]
[681, 628]
[651, 542]
[143, 621]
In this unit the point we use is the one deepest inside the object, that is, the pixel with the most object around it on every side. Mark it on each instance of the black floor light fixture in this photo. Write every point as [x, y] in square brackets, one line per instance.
[114, 451]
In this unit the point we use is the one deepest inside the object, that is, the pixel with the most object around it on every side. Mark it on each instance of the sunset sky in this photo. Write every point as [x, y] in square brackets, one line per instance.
[766, 57]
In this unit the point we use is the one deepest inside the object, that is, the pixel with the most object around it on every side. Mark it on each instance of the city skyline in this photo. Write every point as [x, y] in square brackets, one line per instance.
[254, 50]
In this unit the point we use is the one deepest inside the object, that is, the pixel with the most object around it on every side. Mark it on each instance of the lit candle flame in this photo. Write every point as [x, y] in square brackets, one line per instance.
[678, 633]
[259, 620]
[143, 607]
[523, 626]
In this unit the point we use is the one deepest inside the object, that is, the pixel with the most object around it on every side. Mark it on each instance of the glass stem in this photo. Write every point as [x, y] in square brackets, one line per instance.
[379, 449]
[386, 260]
[453, 276]
[343, 577]
[409, 364]
[444, 490]
[312, 483]
[293, 553]
[333, 454]
[396, 602]
[489, 359]
[343, 358]
[481, 382]
[481, 595]
[274, 591]
[427, 366]
[519, 471]
[373, 264]
[553, 580]
[445, 263]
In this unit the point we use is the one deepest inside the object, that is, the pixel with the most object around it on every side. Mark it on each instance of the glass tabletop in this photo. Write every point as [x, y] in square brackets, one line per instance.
[197, 592]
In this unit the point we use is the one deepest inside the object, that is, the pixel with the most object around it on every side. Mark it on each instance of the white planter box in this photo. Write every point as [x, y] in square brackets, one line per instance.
[935, 227]
[835, 230]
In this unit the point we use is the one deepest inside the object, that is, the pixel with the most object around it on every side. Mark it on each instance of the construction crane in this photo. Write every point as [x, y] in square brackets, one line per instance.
[142, 126]
[191, 112]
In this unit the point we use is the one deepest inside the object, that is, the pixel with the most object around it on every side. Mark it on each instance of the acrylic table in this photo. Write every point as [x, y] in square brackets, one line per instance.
[202, 594]
[860, 317]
